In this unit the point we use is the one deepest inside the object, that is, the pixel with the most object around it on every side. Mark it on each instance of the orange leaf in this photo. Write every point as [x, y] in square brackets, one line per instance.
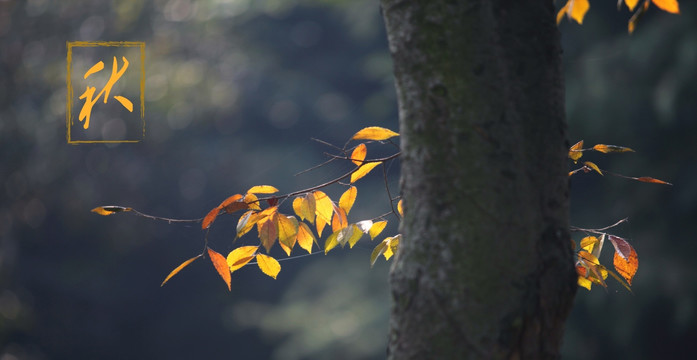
[263, 189]
[575, 152]
[339, 221]
[652, 180]
[179, 268]
[627, 268]
[562, 12]
[670, 6]
[240, 257]
[374, 133]
[109, 210]
[348, 198]
[611, 148]
[210, 217]
[221, 266]
[358, 154]
[593, 166]
[268, 265]
[400, 208]
[230, 200]
[363, 170]
[305, 238]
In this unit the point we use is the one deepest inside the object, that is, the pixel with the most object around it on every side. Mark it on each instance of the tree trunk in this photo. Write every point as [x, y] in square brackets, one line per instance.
[485, 267]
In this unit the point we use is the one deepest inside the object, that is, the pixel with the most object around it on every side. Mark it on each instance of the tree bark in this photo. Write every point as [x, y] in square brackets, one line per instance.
[485, 266]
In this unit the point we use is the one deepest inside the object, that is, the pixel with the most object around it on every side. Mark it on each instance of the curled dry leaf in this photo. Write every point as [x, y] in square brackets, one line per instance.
[575, 152]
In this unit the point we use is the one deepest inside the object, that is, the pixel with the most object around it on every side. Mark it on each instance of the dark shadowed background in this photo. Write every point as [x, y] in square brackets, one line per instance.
[235, 90]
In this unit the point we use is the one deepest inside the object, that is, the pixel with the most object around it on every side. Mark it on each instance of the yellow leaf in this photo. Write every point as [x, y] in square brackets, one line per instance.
[331, 242]
[374, 133]
[252, 201]
[240, 257]
[355, 234]
[593, 166]
[268, 231]
[670, 6]
[376, 229]
[377, 251]
[399, 208]
[287, 229]
[263, 189]
[339, 221]
[392, 245]
[285, 249]
[108, 210]
[305, 238]
[268, 265]
[234, 203]
[583, 282]
[179, 268]
[221, 267]
[577, 10]
[611, 148]
[363, 170]
[575, 152]
[247, 222]
[588, 242]
[323, 207]
[358, 154]
[562, 12]
[348, 198]
[320, 226]
[588, 257]
[631, 4]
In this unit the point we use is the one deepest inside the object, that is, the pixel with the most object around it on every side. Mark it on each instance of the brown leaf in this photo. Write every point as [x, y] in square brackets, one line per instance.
[268, 231]
[575, 152]
[627, 268]
[652, 180]
[611, 148]
[221, 266]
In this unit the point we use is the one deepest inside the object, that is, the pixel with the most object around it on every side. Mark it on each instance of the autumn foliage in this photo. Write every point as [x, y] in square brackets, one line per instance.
[577, 9]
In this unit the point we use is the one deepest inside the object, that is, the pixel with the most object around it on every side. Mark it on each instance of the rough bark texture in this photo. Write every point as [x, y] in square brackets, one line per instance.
[485, 268]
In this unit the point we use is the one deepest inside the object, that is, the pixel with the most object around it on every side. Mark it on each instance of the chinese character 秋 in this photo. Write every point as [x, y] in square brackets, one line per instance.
[88, 95]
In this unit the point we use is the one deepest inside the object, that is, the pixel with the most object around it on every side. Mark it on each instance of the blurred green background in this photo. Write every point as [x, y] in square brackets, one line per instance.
[235, 90]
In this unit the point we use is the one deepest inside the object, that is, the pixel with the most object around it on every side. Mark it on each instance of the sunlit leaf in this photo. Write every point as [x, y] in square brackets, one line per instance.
[562, 12]
[588, 257]
[652, 180]
[621, 245]
[365, 225]
[263, 189]
[323, 209]
[374, 133]
[400, 209]
[331, 242]
[179, 268]
[620, 280]
[588, 242]
[348, 198]
[364, 170]
[354, 235]
[611, 148]
[319, 225]
[377, 251]
[593, 166]
[230, 200]
[247, 222]
[268, 231]
[240, 257]
[599, 246]
[575, 152]
[581, 271]
[268, 265]
[252, 201]
[670, 6]
[108, 210]
[210, 217]
[234, 203]
[583, 282]
[339, 221]
[287, 230]
[305, 237]
[577, 10]
[376, 229]
[358, 154]
[631, 4]
[221, 266]
[392, 246]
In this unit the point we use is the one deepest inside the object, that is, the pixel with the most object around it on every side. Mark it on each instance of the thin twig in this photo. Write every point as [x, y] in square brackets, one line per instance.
[600, 230]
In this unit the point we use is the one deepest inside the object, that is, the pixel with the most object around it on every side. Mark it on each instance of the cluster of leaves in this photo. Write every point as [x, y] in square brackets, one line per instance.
[626, 261]
[577, 9]
[313, 210]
